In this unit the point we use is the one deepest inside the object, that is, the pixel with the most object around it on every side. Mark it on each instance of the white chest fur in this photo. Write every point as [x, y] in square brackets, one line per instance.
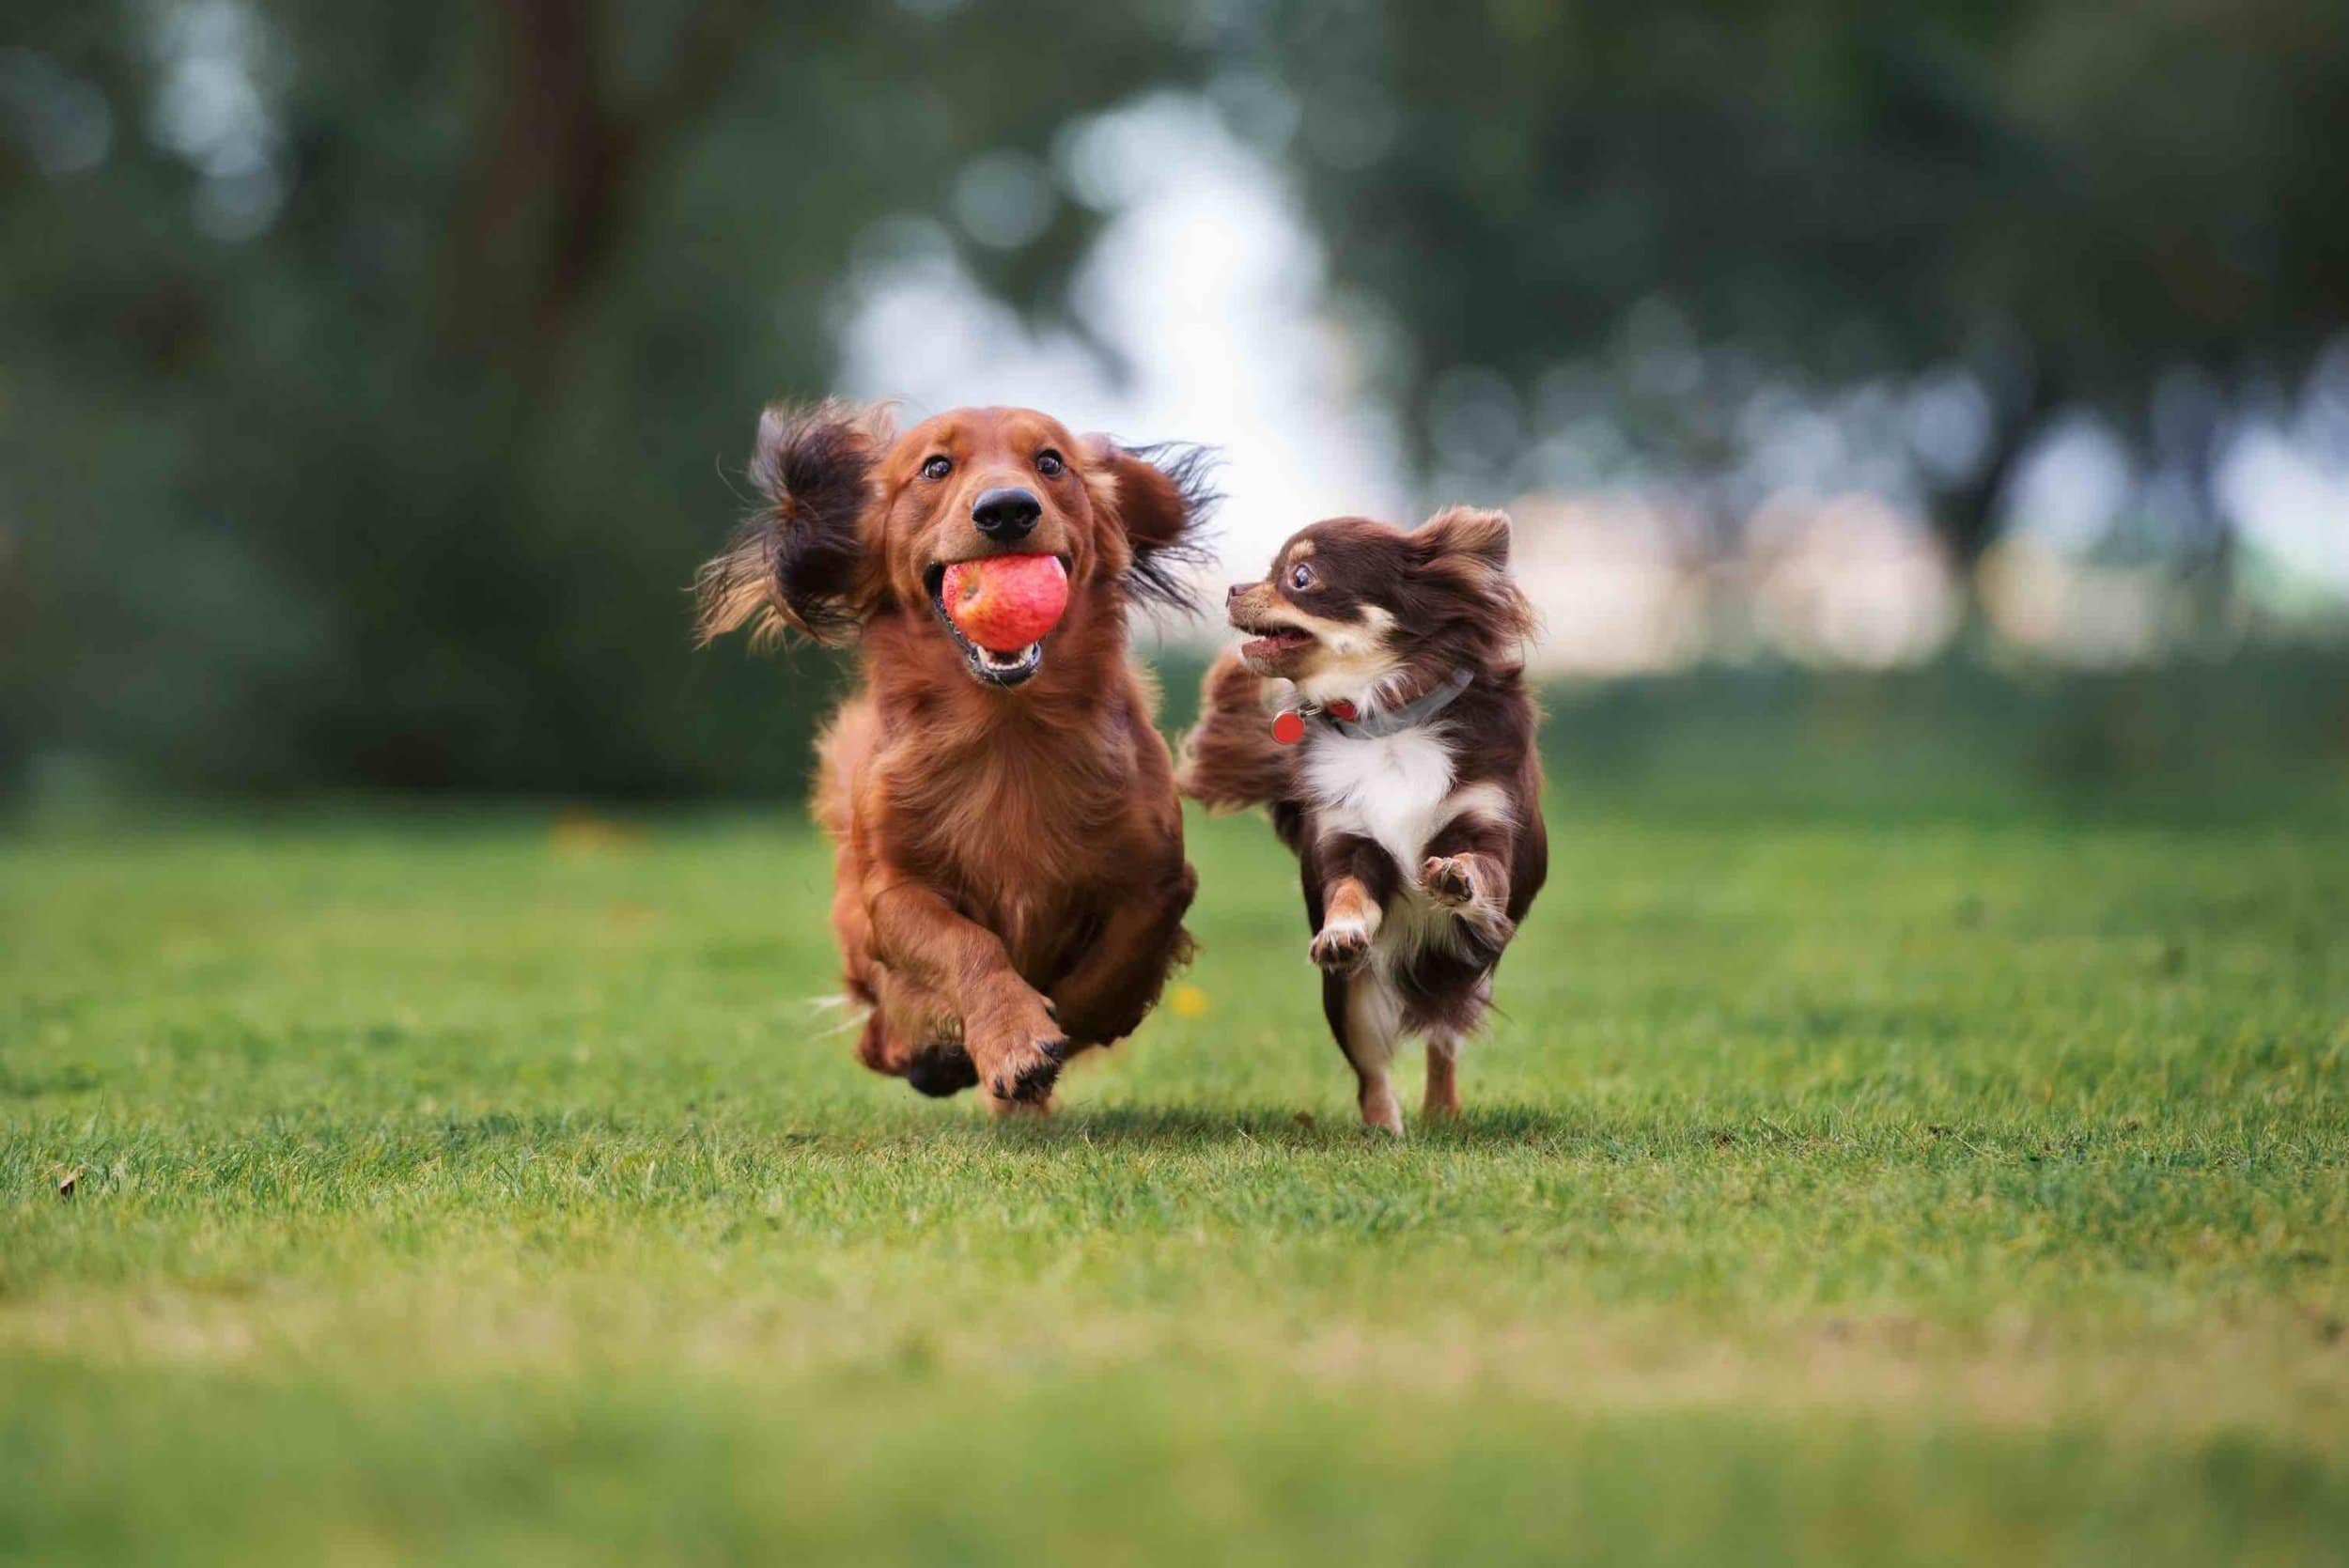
[1394, 790]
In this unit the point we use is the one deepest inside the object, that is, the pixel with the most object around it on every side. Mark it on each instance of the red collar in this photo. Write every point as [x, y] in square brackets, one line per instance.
[1288, 725]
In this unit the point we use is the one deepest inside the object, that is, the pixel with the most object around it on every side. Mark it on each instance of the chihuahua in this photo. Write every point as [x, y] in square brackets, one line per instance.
[1378, 708]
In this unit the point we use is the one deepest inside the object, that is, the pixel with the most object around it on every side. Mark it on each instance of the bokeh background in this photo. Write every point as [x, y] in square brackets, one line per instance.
[1902, 406]
[1915, 1127]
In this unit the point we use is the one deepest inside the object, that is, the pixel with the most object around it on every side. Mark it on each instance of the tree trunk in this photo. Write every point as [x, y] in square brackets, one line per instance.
[1966, 517]
[556, 161]
[2208, 558]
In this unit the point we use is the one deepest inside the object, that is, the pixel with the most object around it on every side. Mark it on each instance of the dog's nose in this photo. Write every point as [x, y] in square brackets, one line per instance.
[1006, 513]
[1231, 596]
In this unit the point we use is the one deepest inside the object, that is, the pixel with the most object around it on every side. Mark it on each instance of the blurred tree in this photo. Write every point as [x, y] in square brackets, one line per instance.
[2019, 206]
[374, 368]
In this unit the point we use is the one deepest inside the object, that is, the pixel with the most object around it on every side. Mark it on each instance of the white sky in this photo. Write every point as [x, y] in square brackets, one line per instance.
[1209, 284]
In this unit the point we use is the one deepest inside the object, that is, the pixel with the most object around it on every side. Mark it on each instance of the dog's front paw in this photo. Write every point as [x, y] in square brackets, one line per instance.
[1341, 947]
[1018, 1047]
[1450, 880]
[940, 1070]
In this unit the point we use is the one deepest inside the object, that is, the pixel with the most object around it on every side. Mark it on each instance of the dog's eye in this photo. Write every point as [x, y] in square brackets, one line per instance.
[937, 468]
[1300, 576]
[1048, 463]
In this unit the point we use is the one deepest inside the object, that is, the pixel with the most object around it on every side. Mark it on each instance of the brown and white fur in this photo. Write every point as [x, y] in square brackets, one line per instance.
[1419, 850]
[1008, 881]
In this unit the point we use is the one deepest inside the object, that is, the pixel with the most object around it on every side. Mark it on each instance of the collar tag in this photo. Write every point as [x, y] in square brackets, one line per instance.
[1288, 726]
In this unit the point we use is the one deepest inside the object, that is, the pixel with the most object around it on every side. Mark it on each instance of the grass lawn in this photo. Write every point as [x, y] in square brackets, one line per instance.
[472, 1189]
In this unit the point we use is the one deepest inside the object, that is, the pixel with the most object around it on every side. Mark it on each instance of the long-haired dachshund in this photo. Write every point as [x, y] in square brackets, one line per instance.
[1379, 707]
[1009, 880]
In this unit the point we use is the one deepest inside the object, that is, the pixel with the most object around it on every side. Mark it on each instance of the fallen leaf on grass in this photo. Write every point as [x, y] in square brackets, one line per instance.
[579, 834]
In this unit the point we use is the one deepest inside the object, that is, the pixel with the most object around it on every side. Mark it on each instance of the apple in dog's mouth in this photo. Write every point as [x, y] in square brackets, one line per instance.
[999, 608]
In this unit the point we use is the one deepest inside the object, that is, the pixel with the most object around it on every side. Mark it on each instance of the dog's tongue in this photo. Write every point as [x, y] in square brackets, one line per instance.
[1004, 602]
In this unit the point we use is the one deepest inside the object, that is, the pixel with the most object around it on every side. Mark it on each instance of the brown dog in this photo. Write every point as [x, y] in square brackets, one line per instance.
[1378, 708]
[1009, 880]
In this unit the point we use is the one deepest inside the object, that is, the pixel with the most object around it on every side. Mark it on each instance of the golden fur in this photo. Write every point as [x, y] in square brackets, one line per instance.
[1009, 880]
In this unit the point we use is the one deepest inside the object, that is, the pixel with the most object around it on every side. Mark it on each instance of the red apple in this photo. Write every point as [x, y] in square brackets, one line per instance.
[1004, 602]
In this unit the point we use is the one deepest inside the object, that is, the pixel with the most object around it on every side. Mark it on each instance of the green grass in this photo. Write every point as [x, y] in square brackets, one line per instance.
[466, 1191]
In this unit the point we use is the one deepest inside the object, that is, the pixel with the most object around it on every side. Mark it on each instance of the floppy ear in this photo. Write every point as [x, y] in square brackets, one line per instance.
[1160, 497]
[794, 562]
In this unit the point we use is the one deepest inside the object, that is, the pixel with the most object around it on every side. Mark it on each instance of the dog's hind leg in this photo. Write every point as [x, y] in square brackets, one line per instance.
[1366, 1015]
[1443, 1087]
[913, 1035]
[1450, 1017]
[1115, 983]
[841, 751]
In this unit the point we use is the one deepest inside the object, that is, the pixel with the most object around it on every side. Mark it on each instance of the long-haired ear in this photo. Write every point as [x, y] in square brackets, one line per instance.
[1162, 497]
[795, 562]
[1470, 533]
[1471, 546]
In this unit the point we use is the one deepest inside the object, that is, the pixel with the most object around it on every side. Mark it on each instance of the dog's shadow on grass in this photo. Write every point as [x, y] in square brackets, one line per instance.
[1186, 1127]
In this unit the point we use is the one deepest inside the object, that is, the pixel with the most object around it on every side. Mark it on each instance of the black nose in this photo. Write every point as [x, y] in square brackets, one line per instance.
[1007, 513]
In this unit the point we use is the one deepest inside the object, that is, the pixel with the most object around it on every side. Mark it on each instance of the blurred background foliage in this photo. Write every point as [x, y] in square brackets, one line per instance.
[2036, 209]
[375, 374]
